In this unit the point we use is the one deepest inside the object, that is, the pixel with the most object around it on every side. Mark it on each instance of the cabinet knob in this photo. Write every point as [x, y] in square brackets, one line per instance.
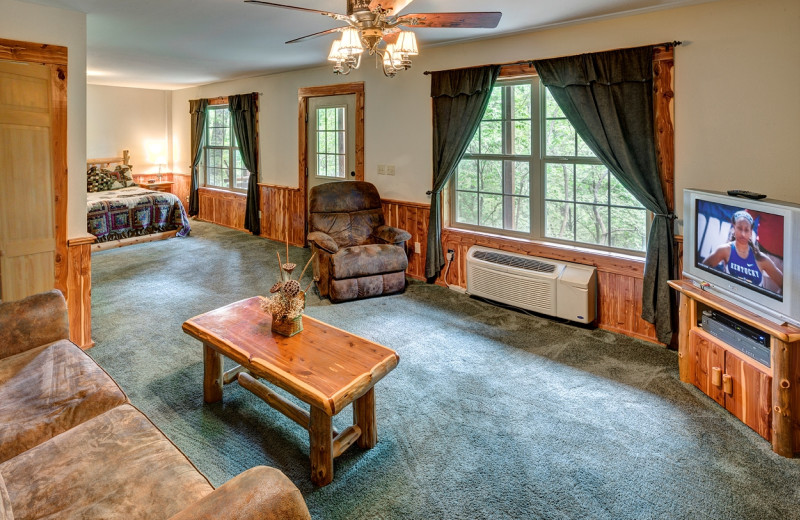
[727, 384]
[716, 376]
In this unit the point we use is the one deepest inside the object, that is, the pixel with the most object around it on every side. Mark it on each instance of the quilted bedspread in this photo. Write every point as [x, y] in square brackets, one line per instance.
[134, 211]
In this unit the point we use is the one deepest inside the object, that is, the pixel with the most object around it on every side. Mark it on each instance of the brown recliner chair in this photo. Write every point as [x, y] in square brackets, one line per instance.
[358, 256]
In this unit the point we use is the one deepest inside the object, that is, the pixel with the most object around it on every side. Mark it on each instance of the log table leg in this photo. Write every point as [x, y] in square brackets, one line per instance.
[320, 434]
[364, 418]
[212, 376]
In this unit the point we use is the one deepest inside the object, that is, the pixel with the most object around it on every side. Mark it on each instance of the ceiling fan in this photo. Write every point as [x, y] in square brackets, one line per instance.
[370, 22]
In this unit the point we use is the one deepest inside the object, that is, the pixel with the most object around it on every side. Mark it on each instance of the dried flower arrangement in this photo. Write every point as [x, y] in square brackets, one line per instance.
[288, 301]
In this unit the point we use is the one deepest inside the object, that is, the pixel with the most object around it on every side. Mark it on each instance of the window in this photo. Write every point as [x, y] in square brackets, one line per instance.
[527, 173]
[219, 148]
[331, 141]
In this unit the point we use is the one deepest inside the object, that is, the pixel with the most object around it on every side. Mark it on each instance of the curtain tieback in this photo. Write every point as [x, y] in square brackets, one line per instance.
[671, 216]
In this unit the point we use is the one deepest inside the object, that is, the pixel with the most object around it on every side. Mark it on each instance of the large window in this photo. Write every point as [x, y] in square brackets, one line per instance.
[527, 173]
[223, 163]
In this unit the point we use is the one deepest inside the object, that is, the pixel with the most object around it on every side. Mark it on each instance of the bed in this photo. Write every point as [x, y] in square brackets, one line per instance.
[120, 212]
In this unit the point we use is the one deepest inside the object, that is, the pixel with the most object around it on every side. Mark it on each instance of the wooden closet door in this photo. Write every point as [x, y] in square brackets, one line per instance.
[27, 203]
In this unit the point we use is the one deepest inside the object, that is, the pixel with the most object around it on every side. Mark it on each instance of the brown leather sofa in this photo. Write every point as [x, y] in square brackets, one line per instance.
[357, 255]
[72, 445]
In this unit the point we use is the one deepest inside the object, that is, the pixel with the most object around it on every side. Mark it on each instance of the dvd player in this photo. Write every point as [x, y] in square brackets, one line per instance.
[737, 335]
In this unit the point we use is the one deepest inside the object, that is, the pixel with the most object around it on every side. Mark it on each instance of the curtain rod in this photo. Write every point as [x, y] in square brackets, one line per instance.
[673, 43]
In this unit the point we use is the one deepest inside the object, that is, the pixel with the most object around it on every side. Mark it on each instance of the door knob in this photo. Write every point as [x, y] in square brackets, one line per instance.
[352, 174]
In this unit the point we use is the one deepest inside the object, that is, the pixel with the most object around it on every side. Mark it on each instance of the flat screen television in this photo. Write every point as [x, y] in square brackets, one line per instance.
[746, 251]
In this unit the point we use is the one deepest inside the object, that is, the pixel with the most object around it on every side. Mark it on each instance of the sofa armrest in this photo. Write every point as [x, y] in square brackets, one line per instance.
[256, 494]
[391, 235]
[33, 321]
[323, 241]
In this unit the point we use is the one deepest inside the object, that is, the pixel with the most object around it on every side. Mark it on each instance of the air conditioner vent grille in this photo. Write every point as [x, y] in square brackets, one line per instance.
[514, 261]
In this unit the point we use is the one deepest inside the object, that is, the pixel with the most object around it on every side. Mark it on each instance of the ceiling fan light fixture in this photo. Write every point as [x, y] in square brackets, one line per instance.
[407, 43]
[351, 42]
[336, 54]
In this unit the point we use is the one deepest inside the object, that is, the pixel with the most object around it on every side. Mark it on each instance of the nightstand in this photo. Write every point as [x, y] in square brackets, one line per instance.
[165, 186]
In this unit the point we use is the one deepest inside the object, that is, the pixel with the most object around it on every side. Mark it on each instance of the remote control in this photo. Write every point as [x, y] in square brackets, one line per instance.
[746, 194]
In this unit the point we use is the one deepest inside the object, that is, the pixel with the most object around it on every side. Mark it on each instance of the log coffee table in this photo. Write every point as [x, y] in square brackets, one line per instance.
[323, 366]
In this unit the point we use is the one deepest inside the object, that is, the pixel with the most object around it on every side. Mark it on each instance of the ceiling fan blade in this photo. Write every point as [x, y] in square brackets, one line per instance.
[316, 35]
[295, 8]
[395, 6]
[487, 20]
[390, 35]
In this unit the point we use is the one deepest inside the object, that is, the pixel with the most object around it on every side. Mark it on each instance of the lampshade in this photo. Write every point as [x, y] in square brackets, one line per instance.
[351, 42]
[390, 59]
[156, 151]
[406, 43]
[336, 54]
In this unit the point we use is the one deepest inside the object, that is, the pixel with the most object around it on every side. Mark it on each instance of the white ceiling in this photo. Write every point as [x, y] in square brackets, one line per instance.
[170, 44]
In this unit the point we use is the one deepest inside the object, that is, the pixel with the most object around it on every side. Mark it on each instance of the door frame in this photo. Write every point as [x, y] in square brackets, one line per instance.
[54, 57]
[356, 88]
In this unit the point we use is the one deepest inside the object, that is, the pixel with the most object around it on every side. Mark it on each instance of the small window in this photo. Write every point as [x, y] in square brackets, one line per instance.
[224, 167]
[531, 175]
[331, 142]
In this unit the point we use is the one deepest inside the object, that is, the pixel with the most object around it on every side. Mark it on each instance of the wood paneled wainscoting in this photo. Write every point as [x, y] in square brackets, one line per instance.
[619, 279]
[222, 207]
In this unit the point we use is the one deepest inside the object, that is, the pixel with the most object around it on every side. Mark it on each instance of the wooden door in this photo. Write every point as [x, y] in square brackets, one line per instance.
[706, 356]
[27, 198]
[751, 398]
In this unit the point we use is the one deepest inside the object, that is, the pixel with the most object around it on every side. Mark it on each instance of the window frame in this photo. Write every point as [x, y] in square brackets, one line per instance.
[233, 152]
[538, 161]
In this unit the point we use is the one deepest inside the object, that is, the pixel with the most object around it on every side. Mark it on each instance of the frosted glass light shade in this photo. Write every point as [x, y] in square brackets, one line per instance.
[406, 43]
[351, 42]
[336, 53]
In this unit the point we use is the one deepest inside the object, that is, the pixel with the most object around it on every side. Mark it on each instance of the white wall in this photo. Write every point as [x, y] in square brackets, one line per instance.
[737, 110]
[35, 23]
[127, 118]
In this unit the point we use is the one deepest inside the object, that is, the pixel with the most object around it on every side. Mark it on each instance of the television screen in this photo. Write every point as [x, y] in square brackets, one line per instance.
[742, 245]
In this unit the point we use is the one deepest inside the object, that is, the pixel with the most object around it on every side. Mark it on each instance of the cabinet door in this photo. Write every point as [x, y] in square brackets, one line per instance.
[751, 399]
[705, 357]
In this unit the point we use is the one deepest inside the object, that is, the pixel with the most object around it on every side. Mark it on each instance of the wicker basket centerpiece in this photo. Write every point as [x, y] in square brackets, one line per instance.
[288, 301]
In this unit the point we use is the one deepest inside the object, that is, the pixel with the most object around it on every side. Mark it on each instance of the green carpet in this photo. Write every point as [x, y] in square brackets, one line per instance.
[490, 414]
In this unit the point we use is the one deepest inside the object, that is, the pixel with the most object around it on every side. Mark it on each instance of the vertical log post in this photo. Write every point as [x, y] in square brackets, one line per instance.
[212, 376]
[781, 400]
[364, 418]
[320, 436]
[684, 327]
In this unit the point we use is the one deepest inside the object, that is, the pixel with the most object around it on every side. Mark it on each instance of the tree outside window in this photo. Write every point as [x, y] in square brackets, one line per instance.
[532, 176]
[220, 146]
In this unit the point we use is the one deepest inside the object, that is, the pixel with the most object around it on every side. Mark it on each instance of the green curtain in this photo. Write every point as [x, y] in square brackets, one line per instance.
[459, 100]
[244, 109]
[197, 108]
[608, 98]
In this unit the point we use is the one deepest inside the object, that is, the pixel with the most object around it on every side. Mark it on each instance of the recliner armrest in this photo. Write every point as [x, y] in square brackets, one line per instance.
[391, 235]
[323, 241]
[260, 493]
[32, 322]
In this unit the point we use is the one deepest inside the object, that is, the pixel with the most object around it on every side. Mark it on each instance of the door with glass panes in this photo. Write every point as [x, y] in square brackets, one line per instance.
[331, 139]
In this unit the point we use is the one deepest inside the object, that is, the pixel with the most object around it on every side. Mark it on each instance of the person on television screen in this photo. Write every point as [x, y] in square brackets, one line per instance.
[742, 257]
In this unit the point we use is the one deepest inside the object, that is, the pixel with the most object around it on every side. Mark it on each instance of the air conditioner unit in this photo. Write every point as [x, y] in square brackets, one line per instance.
[551, 287]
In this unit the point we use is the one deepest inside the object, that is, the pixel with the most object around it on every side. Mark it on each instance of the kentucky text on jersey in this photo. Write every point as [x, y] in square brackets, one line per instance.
[744, 268]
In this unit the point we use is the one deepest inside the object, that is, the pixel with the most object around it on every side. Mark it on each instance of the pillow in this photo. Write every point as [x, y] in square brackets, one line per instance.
[121, 177]
[97, 180]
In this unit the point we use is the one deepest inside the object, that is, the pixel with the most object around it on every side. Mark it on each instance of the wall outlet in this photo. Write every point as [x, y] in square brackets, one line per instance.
[390, 169]
[381, 169]
[450, 254]
[417, 248]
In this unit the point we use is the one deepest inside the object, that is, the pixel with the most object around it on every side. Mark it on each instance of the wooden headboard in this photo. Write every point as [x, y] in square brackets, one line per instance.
[105, 162]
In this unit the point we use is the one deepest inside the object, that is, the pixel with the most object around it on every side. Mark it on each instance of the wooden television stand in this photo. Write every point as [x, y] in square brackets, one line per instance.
[765, 398]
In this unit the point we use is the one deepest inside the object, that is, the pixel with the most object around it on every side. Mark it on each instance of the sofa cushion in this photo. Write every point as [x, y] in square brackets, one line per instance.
[114, 466]
[5, 502]
[48, 390]
[367, 260]
[348, 229]
[367, 286]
